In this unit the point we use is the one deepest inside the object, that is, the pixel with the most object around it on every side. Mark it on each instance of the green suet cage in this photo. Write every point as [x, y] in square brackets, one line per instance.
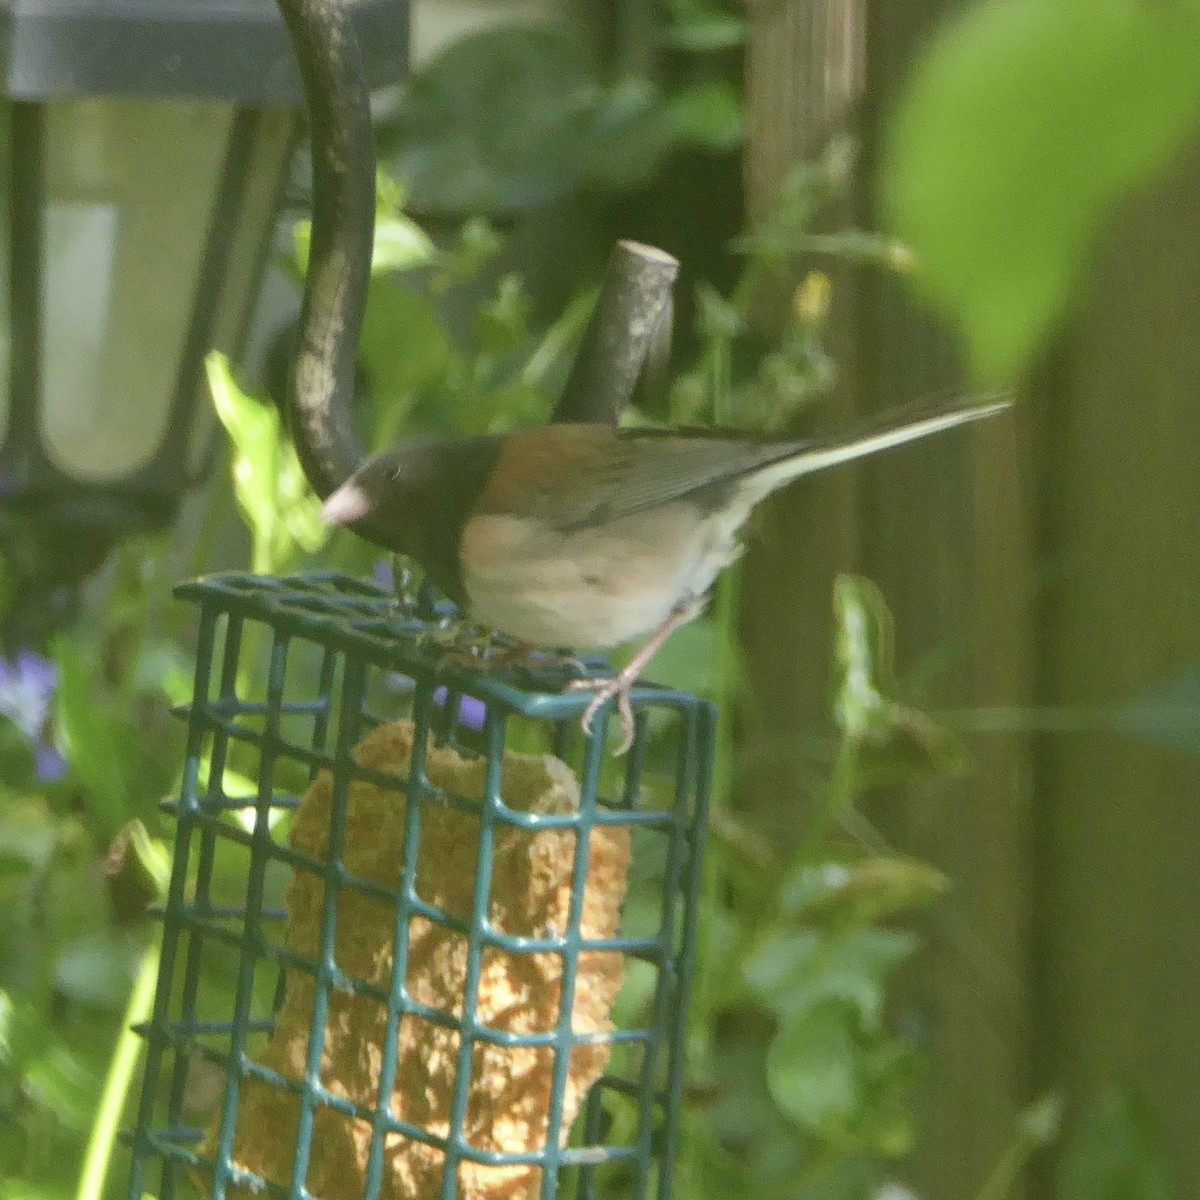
[453, 936]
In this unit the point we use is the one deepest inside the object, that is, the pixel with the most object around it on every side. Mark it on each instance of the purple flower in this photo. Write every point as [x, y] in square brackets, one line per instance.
[383, 574]
[27, 686]
[472, 713]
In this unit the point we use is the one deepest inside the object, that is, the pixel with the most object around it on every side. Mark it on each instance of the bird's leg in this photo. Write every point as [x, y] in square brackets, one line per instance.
[618, 686]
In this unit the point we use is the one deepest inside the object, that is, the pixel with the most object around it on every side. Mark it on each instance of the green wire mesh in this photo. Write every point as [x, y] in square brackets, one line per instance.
[339, 658]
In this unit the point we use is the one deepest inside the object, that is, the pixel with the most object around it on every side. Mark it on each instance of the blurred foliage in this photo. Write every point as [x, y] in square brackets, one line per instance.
[277, 505]
[1023, 125]
[800, 1087]
[514, 118]
[1111, 1153]
[803, 1089]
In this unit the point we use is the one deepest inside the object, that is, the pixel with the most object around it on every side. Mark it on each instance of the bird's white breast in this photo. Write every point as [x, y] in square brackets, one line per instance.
[593, 587]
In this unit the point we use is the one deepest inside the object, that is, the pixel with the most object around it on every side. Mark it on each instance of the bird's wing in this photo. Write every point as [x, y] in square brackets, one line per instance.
[648, 467]
[573, 476]
[644, 469]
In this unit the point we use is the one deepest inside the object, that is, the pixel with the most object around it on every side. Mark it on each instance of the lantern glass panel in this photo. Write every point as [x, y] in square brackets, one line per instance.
[5, 266]
[270, 137]
[130, 191]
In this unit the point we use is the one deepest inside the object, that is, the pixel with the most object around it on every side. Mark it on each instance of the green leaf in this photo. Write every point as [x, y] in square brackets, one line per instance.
[716, 317]
[706, 32]
[867, 890]
[6, 1021]
[18, 767]
[27, 836]
[864, 657]
[63, 1084]
[400, 245]
[789, 227]
[163, 668]
[405, 348]
[97, 968]
[1113, 1154]
[812, 1070]
[495, 123]
[501, 323]
[282, 514]
[709, 115]
[478, 243]
[101, 747]
[891, 742]
[24, 1033]
[1040, 1122]
[25, 1189]
[629, 136]
[795, 970]
[1023, 125]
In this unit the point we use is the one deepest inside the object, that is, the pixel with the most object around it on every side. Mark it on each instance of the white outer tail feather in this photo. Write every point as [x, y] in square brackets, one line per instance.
[830, 454]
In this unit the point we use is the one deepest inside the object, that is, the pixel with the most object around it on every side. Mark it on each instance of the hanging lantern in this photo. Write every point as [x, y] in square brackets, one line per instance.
[145, 146]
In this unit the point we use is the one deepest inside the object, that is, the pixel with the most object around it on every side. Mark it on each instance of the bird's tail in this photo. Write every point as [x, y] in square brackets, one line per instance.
[881, 431]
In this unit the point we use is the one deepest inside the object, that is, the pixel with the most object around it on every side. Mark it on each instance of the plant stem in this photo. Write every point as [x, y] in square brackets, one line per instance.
[119, 1080]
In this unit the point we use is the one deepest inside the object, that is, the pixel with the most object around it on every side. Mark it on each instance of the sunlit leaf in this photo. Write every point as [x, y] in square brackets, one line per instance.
[282, 514]
[1041, 1121]
[400, 245]
[863, 657]
[163, 667]
[866, 890]
[6, 1019]
[1022, 126]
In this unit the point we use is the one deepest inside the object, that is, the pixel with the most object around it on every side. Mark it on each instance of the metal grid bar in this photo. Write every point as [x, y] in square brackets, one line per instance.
[659, 792]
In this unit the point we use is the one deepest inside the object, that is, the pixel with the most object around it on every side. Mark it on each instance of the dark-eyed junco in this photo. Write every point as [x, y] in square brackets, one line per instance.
[588, 536]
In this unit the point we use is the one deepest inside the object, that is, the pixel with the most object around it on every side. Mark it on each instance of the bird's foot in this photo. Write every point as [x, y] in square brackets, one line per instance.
[617, 687]
[460, 645]
[472, 648]
[613, 687]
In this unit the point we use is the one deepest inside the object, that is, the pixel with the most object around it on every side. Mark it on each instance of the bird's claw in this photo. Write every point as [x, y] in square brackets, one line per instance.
[616, 687]
[459, 643]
